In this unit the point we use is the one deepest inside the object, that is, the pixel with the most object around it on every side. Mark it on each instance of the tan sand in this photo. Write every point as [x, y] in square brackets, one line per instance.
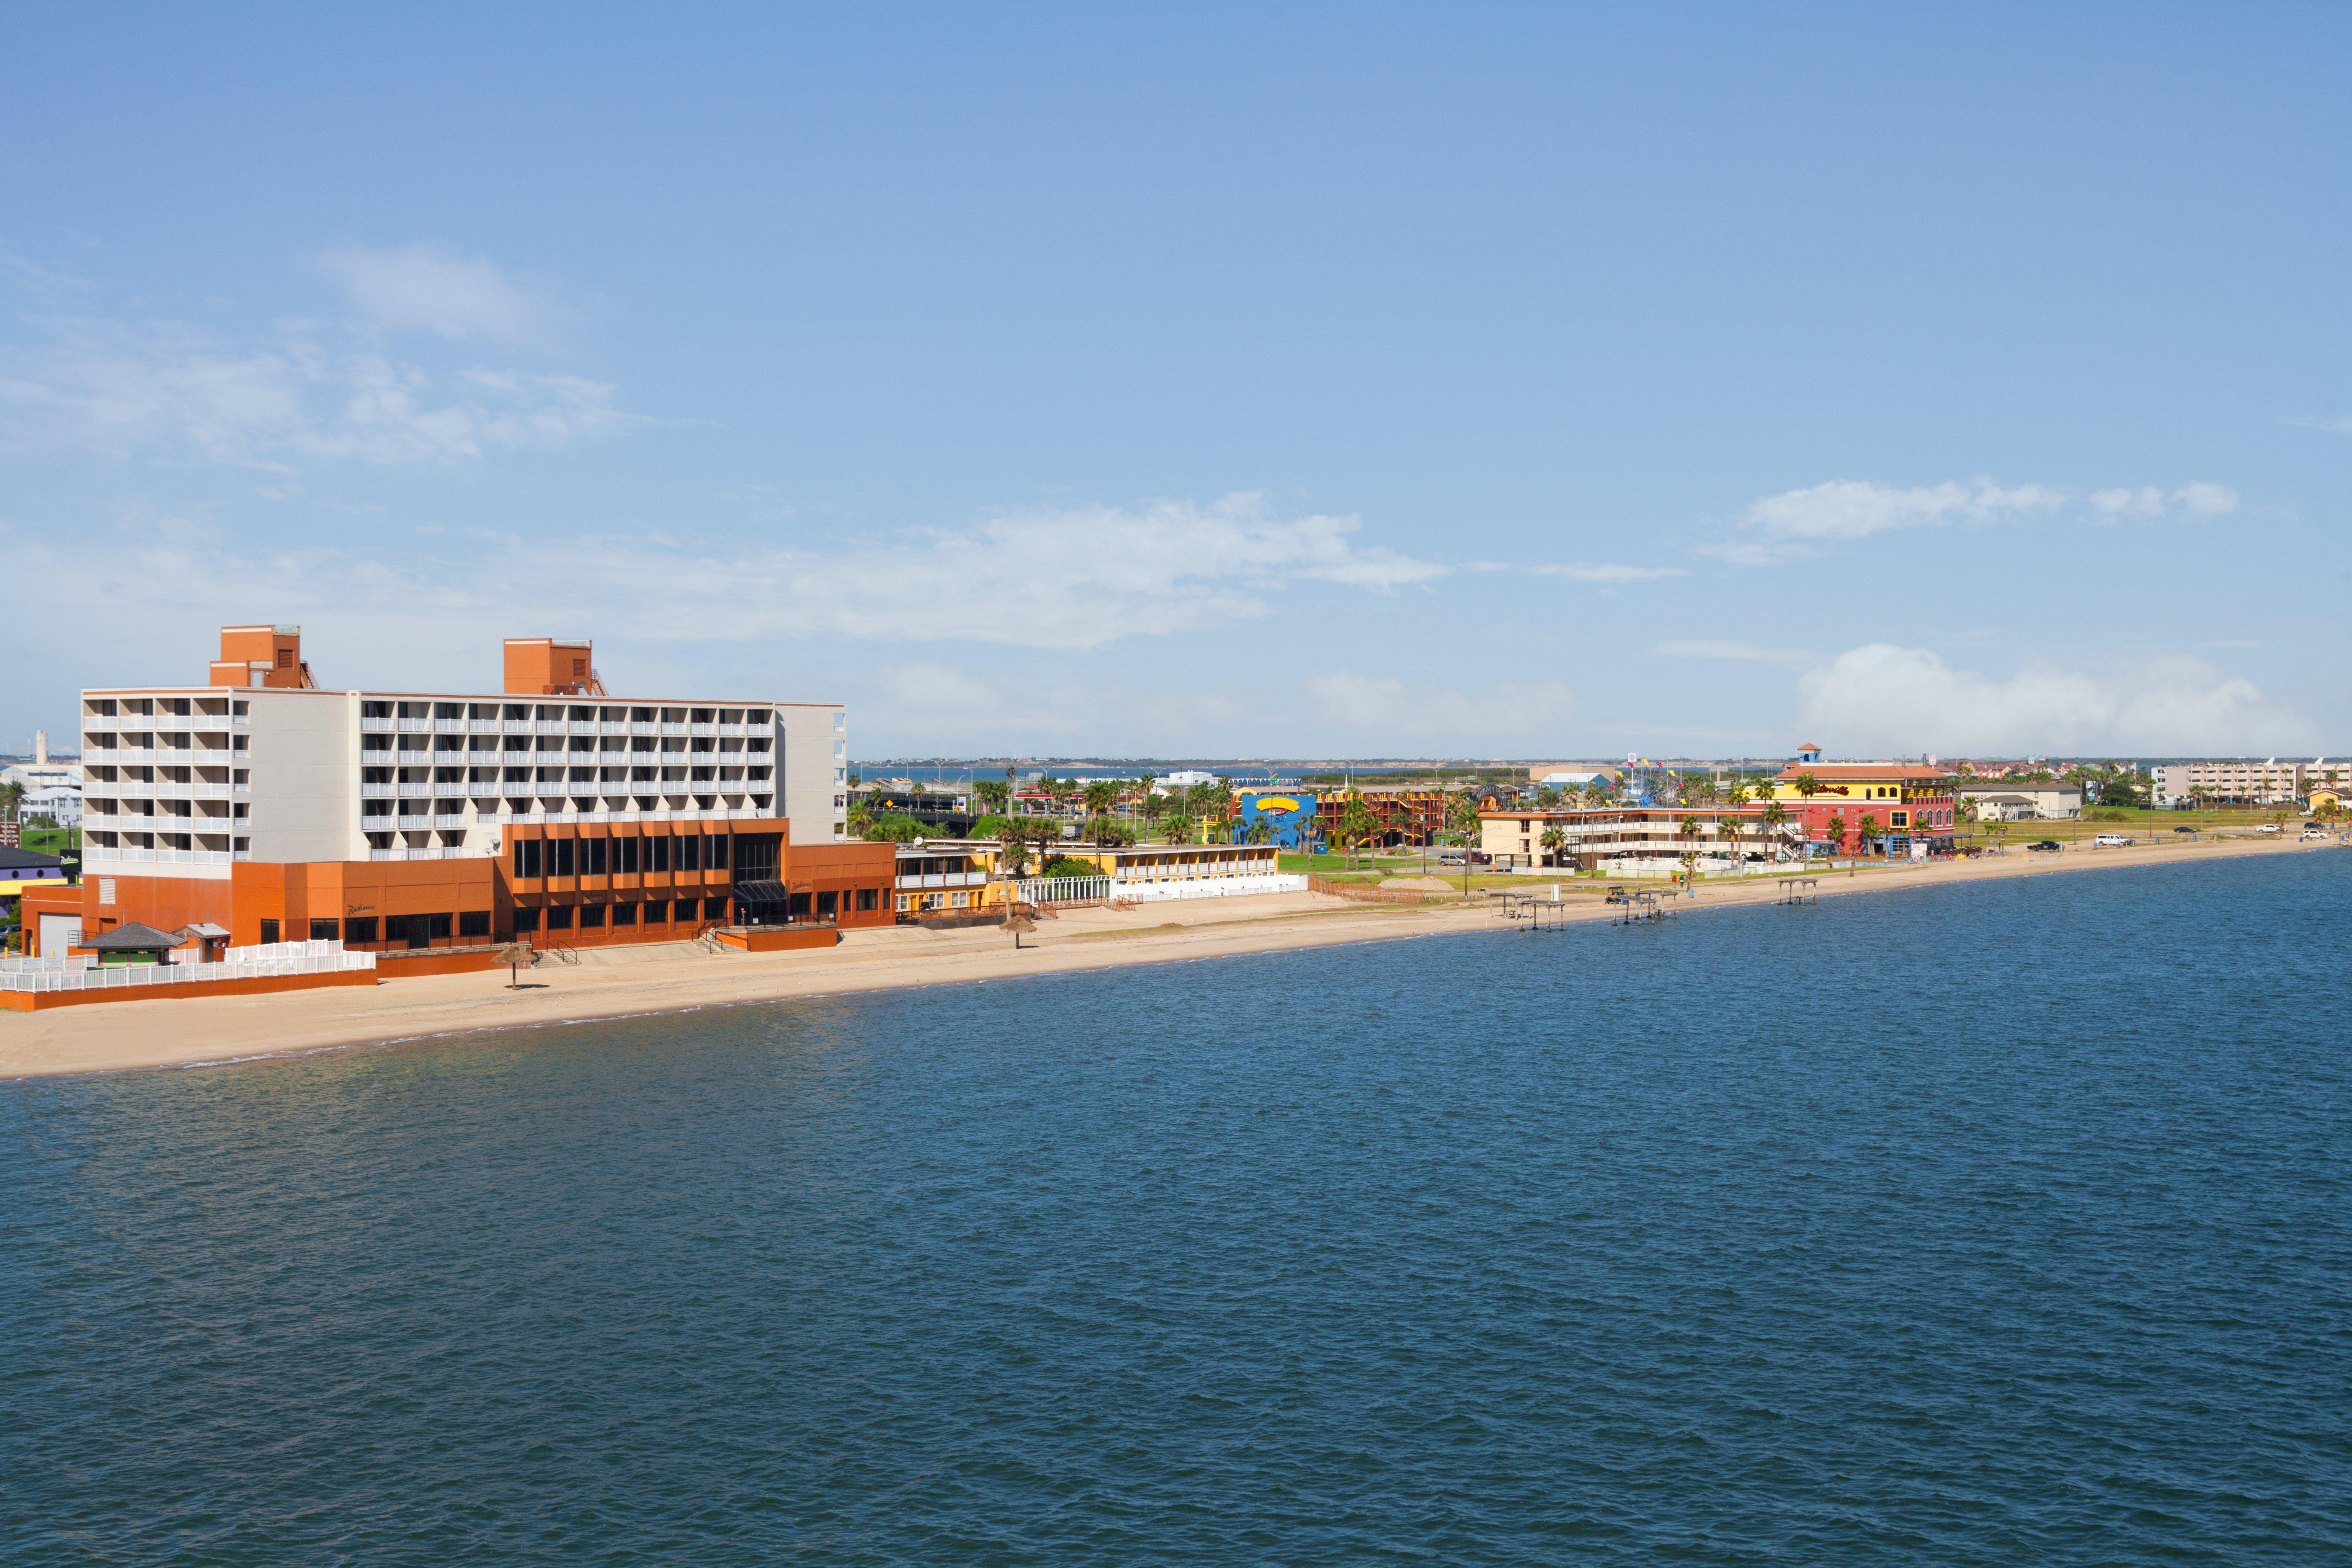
[676, 978]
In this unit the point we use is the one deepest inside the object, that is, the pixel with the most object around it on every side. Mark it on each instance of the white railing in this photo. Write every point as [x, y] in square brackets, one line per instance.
[731, 730]
[101, 787]
[412, 824]
[82, 971]
[702, 730]
[951, 880]
[240, 718]
[612, 726]
[99, 754]
[1064, 889]
[671, 728]
[517, 726]
[413, 788]
[641, 726]
[548, 726]
[378, 791]
[375, 726]
[580, 727]
[452, 789]
[1211, 888]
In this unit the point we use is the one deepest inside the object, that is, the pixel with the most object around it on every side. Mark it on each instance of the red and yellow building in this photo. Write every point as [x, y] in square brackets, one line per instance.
[1906, 803]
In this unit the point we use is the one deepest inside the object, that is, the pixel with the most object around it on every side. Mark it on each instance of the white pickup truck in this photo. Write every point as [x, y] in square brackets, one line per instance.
[2111, 841]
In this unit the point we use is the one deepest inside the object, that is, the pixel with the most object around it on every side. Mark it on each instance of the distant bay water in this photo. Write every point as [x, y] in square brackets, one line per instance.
[2001, 1224]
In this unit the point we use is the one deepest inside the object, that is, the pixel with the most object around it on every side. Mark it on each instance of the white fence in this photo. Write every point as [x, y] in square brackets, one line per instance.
[80, 972]
[1086, 889]
[1210, 888]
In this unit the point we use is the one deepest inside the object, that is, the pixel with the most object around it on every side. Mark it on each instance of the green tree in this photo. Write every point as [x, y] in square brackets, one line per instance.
[1462, 825]
[1554, 841]
[1867, 828]
[1836, 827]
[1100, 793]
[992, 794]
[1355, 823]
[1775, 818]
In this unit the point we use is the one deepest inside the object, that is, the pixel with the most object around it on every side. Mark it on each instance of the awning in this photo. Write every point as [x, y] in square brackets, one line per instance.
[204, 929]
[133, 938]
[763, 893]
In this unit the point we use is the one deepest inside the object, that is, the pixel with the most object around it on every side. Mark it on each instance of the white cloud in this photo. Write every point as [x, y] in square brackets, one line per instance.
[2200, 498]
[2341, 426]
[1799, 524]
[1068, 579]
[1732, 652]
[1894, 699]
[424, 288]
[1587, 571]
[169, 389]
[1847, 508]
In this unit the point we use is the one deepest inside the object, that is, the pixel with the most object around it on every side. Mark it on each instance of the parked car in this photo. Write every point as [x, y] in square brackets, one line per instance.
[2268, 828]
[2046, 844]
[2111, 841]
[2184, 830]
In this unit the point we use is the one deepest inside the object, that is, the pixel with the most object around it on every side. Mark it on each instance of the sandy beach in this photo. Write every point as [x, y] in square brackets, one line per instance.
[679, 977]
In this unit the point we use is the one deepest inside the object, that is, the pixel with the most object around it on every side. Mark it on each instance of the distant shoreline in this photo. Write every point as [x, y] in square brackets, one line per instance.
[616, 984]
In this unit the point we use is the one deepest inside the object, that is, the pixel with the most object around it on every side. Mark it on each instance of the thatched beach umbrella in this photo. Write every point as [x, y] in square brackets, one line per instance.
[1020, 924]
[514, 955]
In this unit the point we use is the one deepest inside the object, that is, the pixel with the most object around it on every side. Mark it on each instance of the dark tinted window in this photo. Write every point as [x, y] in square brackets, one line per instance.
[326, 931]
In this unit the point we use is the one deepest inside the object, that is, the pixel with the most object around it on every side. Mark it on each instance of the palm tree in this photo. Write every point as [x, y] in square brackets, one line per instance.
[1355, 824]
[1462, 822]
[1100, 795]
[1836, 827]
[1775, 815]
[1868, 828]
[1808, 786]
[1553, 841]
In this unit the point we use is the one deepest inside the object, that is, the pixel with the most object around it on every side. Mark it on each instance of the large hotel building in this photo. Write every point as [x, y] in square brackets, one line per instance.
[274, 810]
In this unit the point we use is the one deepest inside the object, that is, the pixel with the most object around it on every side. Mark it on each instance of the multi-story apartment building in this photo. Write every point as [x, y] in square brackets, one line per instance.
[2242, 782]
[278, 810]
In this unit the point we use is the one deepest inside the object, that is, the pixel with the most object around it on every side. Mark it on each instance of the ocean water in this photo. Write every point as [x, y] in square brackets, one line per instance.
[1994, 1225]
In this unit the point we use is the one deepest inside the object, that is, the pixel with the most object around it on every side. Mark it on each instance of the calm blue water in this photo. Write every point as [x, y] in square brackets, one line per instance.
[1997, 1224]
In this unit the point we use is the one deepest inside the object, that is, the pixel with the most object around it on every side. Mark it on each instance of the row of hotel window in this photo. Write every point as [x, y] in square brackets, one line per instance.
[619, 856]
[596, 916]
[423, 930]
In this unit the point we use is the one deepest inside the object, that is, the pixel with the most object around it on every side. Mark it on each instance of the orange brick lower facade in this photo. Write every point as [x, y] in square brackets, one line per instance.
[576, 884]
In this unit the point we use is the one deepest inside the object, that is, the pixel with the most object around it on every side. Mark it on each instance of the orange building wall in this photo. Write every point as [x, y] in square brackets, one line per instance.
[843, 868]
[293, 895]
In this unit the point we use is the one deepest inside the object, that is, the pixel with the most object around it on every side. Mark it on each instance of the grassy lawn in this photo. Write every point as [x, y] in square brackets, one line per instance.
[52, 840]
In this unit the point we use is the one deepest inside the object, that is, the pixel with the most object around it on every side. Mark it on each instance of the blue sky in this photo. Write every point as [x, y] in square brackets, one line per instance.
[1278, 381]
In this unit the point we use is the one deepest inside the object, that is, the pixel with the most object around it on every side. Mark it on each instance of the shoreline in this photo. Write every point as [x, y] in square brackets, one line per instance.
[618, 984]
